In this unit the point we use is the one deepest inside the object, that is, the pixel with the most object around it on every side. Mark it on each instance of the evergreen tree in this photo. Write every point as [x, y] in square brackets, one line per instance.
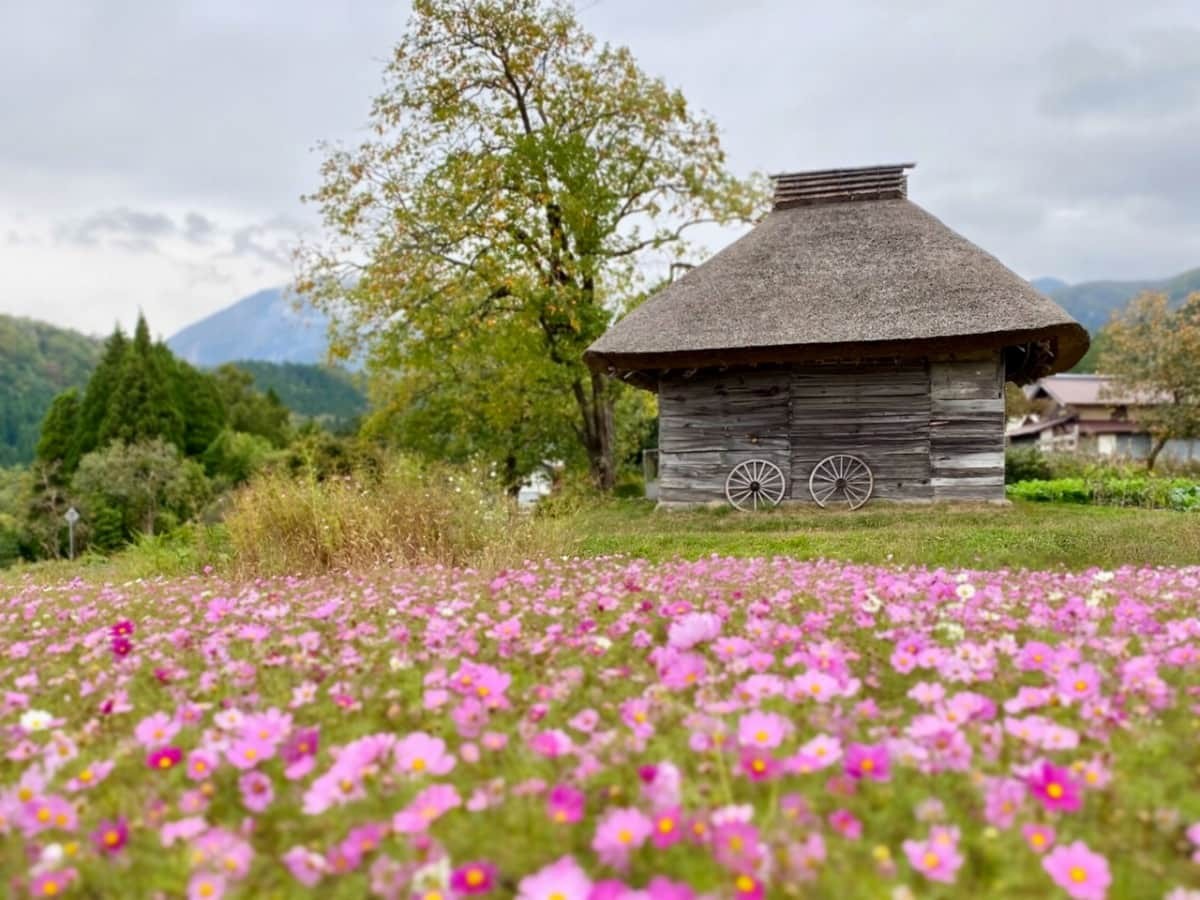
[197, 397]
[142, 407]
[59, 441]
[101, 390]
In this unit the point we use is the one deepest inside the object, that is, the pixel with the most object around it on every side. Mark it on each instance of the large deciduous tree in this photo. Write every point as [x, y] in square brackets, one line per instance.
[517, 177]
[1153, 352]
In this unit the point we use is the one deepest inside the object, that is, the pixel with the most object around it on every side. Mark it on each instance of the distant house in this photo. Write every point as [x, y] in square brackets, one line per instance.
[1088, 414]
[849, 346]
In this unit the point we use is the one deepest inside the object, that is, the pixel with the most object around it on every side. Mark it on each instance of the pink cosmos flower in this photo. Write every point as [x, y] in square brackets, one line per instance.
[561, 880]
[249, 751]
[758, 765]
[565, 804]
[1055, 787]
[1078, 683]
[473, 878]
[90, 776]
[747, 887]
[937, 860]
[429, 805]
[206, 886]
[299, 753]
[422, 754]
[762, 730]
[257, 791]
[1084, 875]
[1040, 838]
[110, 837]
[306, 866]
[156, 730]
[551, 744]
[668, 828]
[53, 883]
[868, 761]
[736, 846]
[692, 629]
[846, 824]
[618, 834]
[200, 765]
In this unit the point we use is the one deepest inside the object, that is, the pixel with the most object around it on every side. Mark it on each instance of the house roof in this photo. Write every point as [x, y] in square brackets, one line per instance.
[1089, 390]
[843, 273]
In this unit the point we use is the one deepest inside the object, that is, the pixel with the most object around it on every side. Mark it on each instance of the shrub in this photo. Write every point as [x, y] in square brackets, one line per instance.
[1025, 464]
[410, 512]
[1140, 491]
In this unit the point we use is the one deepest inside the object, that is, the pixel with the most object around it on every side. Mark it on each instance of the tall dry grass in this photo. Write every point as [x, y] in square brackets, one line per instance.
[408, 513]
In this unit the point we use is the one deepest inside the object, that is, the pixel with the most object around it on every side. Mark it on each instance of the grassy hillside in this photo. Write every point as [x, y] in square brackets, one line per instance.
[37, 361]
[328, 394]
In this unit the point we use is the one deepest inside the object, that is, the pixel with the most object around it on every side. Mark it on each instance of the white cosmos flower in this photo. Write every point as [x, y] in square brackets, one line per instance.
[36, 720]
[965, 591]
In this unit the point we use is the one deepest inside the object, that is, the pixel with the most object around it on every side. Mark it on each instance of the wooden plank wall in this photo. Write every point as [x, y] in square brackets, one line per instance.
[966, 429]
[929, 431]
[709, 423]
[879, 413]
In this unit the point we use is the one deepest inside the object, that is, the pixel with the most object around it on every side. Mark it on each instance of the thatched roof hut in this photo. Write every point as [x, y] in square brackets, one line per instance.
[843, 272]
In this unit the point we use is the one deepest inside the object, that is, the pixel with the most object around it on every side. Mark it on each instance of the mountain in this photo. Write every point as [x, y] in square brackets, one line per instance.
[263, 326]
[331, 395]
[1093, 302]
[37, 361]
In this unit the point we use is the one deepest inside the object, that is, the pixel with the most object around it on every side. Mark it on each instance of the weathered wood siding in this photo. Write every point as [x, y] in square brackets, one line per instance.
[709, 423]
[928, 431]
[879, 413]
[966, 429]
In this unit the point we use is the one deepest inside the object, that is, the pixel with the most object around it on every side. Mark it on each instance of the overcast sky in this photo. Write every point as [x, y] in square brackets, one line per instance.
[153, 152]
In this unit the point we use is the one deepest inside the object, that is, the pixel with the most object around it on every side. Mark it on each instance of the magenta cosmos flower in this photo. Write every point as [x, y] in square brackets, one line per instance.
[111, 836]
[473, 878]
[1055, 787]
[561, 880]
[1040, 838]
[565, 804]
[868, 761]
[166, 758]
[1084, 875]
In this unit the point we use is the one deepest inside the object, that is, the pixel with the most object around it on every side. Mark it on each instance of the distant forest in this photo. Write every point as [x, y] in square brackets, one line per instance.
[39, 361]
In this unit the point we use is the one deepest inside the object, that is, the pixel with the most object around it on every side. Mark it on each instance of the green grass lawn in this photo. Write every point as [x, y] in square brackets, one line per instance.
[1024, 535]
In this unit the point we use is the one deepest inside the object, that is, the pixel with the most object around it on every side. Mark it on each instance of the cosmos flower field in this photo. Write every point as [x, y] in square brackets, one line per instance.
[605, 729]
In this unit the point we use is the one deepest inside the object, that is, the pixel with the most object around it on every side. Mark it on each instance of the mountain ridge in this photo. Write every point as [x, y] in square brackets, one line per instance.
[263, 326]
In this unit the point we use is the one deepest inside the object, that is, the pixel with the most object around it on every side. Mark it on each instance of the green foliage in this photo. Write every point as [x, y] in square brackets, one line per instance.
[150, 483]
[234, 457]
[100, 390]
[517, 176]
[197, 396]
[59, 439]
[250, 412]
[1145, 492]
[142, 406]
[1025, 464]
[318, 455]
[37, 362]
[329, 394]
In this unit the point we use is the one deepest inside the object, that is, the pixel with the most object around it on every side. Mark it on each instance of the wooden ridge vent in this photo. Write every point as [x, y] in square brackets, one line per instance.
[888, 182]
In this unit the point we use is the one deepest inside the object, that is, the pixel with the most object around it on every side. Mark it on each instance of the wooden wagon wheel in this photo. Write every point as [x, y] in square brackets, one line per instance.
[754, 483]
[841, 477]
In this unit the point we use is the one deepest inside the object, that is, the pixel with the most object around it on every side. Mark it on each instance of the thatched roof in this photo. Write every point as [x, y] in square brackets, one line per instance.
[821, 279]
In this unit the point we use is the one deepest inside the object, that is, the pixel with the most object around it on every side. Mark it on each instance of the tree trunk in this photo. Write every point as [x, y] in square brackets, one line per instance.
[598, 432]
[1159, 443]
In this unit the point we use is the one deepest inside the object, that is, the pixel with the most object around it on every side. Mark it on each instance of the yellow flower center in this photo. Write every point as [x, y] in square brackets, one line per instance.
[25, 795]
[761, 737]
[868, 765]
[639, 717]
[735, 842]
[475, 878]
[1091, 776]
[930, 860]
[206, 889]
[758, 766]
[418, 764]
[1037, 839]
[1081, 685]
[744, 883]
[50, 888]
[557, 895]
[560, 815]
[1078, 874]
[815, 689]
[625, 836]
[666, 826]
[164, 762]
[86, 776]
[1054, 790]
[250, 753]
[43, 815]
[112, 838]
